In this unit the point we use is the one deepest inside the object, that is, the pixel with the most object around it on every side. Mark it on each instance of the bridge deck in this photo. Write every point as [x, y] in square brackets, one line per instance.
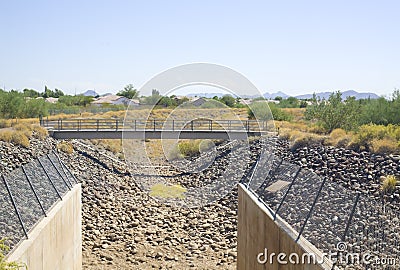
[153, 129]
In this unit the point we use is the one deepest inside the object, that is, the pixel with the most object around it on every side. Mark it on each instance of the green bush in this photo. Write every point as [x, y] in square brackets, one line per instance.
[334, 112]
[263, 111]
[4, 265]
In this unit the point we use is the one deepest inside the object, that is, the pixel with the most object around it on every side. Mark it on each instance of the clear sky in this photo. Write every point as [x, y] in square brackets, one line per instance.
[291, 46]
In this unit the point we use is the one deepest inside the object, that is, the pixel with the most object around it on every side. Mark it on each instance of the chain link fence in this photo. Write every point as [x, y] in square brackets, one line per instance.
[353, 229]
[28, 193]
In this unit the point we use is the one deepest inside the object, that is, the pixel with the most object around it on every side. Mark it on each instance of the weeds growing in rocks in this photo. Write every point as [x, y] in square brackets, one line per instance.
[4, 265]
[389, 184]
[65, 147]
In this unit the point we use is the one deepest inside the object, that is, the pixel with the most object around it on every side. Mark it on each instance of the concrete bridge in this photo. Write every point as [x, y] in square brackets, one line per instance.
[153, 128]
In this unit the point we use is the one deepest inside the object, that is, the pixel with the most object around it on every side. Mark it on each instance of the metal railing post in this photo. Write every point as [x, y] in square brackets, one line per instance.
[116, 125]
[34, 191]
[191, 124]
[173, 125]
[135, 124]
[154, 124]
[97, 125]
[15, 206]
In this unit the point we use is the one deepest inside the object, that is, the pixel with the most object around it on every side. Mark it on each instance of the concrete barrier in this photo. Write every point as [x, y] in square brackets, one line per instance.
[259, 236]
[55, 243]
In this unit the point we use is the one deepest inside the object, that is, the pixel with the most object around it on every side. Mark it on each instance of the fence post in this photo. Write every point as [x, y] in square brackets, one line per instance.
[135, 124]
[154, 124]
[173, 125]
[191, 124]
[116, 125]
[97, 125]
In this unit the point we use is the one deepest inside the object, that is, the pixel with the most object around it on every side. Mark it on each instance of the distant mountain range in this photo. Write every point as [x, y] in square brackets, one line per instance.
[322, 95]
[206, 95]
[274, 95]
[345, 94]
[90, 93]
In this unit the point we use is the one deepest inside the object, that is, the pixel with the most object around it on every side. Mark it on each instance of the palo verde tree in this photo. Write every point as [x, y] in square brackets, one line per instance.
[129, 92]
[334, 112]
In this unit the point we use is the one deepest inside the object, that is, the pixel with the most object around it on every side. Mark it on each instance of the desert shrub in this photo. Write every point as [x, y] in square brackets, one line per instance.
[174, 153]
[39, 132]
[6, 135]
[65, 147]
[317, 129]
[205, 145]
[3, 123]
[284, 133]
[334, 112]
[4, 265]
[306, 140]
[189, 148]
[389, 183]
[24, 128]
[20, 138]
[375, 137]
[384, 146]
[339, 138]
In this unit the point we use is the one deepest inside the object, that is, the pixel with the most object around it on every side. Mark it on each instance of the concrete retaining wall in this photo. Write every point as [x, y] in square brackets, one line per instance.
[56, 241]
[259, 233]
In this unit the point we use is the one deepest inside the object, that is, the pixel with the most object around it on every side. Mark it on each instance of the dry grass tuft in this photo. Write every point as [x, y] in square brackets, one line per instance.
[6, 135]
[164, 191]
[384, 146]
[339, 138]
[20, 138]
[306, 140]
[39, 132]
[65, 147]
[389, 183]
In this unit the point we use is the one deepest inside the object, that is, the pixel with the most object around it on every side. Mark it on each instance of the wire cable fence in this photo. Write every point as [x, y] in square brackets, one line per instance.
[353, 229]
[28, 193]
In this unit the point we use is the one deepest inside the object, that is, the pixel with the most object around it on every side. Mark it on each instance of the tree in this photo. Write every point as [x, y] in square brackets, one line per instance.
[334, 113]
[228, 100]
[154, 98]
[50, 93]
[129, 92]
[263, 111]
[30, 93]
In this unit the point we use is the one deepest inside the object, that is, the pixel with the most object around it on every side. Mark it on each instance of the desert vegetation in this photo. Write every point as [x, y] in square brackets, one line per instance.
[5, 265]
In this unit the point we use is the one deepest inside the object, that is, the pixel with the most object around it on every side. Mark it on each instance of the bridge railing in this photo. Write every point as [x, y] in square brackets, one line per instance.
[155, 125]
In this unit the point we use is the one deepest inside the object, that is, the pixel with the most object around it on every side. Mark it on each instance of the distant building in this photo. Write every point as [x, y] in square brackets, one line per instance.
[51, 100]
[245, 101]
[112, 100]
[198, 102]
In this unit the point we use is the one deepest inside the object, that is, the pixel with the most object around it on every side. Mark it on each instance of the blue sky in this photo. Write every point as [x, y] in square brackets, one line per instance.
[291, 46]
